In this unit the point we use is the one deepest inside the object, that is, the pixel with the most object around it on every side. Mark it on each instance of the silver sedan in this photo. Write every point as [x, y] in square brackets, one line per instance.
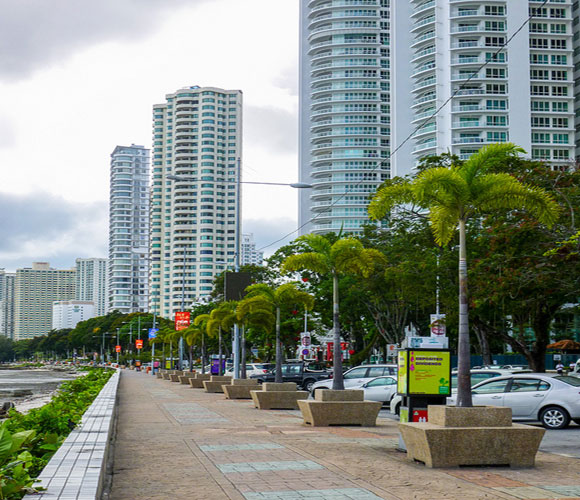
[553, 400]
[380, 389]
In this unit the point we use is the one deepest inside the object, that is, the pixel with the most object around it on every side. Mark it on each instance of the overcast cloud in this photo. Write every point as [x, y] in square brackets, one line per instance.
[41, 226]
[39, 33]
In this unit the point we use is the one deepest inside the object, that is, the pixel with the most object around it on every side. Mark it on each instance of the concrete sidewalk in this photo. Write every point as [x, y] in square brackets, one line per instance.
[175, 442]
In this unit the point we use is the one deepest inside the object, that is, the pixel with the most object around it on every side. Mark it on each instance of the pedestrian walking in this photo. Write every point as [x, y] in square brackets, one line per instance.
[560, 368]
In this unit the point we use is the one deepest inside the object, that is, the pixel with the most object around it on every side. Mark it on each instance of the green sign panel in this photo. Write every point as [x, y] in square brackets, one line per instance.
[402, 372]
[429, 372]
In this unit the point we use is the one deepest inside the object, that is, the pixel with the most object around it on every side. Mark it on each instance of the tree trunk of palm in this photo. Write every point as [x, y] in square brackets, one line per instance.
[463, 354]
[278, 378]
[202, 353]
[171, 355]
[220, 372]
[337, 380]
[243, 356]
[191, 357]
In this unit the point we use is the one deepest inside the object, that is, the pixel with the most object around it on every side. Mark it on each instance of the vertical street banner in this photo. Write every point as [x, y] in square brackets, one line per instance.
[181, 320]
[153, 333]
[139, 344]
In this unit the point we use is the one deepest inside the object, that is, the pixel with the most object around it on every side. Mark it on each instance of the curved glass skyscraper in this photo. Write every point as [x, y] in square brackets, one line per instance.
[344, 110]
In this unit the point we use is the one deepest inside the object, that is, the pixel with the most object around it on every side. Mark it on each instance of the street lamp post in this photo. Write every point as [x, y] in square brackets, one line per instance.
[238, 182]
[117, 344]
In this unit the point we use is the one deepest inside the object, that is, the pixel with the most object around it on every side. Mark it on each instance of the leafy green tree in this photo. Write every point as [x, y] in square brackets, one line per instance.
[346, 256]
[282, 297]
[453, 196]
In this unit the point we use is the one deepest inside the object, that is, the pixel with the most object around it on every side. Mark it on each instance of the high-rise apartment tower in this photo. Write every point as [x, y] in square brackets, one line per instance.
[197, 136]
[345, 113]
[7, 304]
[524, 94]
[92, 283]
[129, 230]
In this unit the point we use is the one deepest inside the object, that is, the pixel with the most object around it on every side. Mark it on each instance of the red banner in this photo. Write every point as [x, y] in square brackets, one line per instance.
[181, 320]
[139, 344]
[117, 348]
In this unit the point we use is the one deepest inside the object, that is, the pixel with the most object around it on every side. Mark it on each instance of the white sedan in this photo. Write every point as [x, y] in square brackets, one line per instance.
[380, 389]
[553, 400]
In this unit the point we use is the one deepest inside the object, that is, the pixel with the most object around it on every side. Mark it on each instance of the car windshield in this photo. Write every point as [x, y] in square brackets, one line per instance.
[575, 381]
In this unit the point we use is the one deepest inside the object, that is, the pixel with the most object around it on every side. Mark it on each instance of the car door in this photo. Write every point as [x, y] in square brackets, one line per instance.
[490, 393]
[380, 389]
[525, 396]
[294, 374]
[356, 376]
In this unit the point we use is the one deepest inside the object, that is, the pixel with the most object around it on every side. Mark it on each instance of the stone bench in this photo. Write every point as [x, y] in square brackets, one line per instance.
[197, 381]
[240, 388]
[331, 407]
[215, 383]
[184, 379]
[278, 396]
[479, 435]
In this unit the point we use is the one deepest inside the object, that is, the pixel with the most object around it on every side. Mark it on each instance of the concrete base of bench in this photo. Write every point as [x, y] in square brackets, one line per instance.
[159, 375]
[215, 383]
[166, 376]
[325, 413]
[471, 436]
[197, 382]
[277, 400]
[240, 389]
[184, 379]
[174, 377]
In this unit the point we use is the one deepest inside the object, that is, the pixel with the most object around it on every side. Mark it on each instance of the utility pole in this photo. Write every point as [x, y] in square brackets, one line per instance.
[117, 344]
[237, 264]
[180, 350]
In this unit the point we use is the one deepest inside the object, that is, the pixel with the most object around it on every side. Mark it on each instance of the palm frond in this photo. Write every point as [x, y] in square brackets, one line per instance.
[311, 261]
[316, 242]
[487, 157]
[440, 186]
[443, 223]
[389, 196]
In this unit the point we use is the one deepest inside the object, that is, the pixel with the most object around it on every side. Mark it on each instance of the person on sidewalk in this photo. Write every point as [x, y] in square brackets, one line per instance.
[560, 368]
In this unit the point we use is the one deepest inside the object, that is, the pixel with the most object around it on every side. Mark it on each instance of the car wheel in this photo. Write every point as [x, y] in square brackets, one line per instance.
[554, 417]
[307, 384]
[398, 409]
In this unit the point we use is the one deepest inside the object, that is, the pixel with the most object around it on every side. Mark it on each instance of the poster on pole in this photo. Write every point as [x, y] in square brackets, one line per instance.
[437, 325]
[153, 332]
[429, 372]
[139, 344]
[181, 320]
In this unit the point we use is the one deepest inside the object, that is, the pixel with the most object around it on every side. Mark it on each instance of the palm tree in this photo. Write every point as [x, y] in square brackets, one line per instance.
[220, 318]
[284, 296]
[453, 196]
[346, 256]
[193, 334]
[255, 312]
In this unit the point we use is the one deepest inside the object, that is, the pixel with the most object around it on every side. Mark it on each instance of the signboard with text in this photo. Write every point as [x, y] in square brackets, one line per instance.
[181, 320]
[437, 325]
[153, 332]
[402, 372]
[117, 348]
[139, 344]
[429, 372]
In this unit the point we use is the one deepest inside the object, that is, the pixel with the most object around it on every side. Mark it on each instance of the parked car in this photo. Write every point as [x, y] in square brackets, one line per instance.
[380, 389]
[477, 375]
[358, 376]
[294, 372]
[515, 367]
[253, 369]
[552, 399]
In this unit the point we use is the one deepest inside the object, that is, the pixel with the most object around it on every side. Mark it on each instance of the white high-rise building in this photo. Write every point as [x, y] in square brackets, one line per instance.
[7, 304]
[68, 313]
[92, 283]
[129, 230]
[35, 289]
[248, 253]
[197, 135]
[524, 95]
[345, 110]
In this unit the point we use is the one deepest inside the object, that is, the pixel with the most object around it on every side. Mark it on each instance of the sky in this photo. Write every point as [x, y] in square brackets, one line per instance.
[79, 77]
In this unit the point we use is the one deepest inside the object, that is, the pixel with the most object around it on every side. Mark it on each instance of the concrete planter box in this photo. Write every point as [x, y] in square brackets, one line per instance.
[174, 377]
[184, 379]
[197, 382]
[481, 435]
[159, 375]
[214, 384]
[166, 376]
[339, 408]
[240, 388]
[281, 396]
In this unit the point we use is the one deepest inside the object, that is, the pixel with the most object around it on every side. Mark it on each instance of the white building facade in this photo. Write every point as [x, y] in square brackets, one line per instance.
[248, 253]
[7, 303]
[197, 135]
[92, 283]
[524, 94]
[128, 273]
[68, 313]
[344, 141]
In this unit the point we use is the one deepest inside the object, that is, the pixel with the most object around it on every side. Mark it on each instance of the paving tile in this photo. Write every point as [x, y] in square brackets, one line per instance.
[268, 466]
[564, 490]
[327, 494]
[532, 493]
[241, 447]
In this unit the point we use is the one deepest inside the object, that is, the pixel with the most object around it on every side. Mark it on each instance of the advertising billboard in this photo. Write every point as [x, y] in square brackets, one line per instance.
[429, 372]
[181, 320]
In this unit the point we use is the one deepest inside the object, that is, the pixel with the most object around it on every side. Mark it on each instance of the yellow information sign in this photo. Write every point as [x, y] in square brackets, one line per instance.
[402, 372]
[429, 372]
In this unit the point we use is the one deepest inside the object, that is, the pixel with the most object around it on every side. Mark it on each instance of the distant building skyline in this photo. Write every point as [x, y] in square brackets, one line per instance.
[7, 303]
[92, 283]
[248, 253]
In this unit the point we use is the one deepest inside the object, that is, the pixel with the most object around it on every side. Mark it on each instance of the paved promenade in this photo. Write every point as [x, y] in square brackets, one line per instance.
[175, 442]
